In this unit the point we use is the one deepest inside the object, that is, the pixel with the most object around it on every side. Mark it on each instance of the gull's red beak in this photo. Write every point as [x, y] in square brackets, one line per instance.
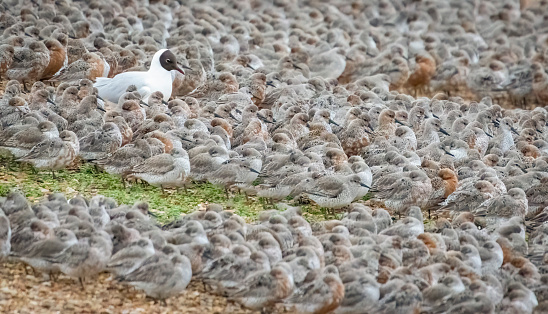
[179, 69]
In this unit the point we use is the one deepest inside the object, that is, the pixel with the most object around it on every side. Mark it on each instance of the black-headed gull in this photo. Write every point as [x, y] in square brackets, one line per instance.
[157, 78]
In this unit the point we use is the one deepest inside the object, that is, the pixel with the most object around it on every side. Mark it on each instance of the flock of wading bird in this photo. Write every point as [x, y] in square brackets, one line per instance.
[305, 98]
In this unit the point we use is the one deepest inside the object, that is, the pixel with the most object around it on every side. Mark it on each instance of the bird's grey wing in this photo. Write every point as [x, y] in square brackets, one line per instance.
[76, 70]
[330, 187]
[158, 164]
[47, 148]
[72, 256]
[397, 190]
[25, 55]
[258, 286]
[46, 249]
[25, 139]
[153, 273]
[90, 140]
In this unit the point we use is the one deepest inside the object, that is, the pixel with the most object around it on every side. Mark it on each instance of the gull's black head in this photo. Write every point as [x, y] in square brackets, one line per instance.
[168, 61]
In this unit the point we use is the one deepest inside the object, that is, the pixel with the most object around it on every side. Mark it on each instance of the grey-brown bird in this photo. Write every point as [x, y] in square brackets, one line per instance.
[163, 279]
[54, 154]
[29, 63]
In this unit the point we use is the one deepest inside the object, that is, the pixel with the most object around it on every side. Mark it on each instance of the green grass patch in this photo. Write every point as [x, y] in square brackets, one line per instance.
[88, 181]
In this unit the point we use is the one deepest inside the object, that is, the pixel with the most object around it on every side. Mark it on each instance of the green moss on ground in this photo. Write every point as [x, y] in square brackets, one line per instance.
[88, 181]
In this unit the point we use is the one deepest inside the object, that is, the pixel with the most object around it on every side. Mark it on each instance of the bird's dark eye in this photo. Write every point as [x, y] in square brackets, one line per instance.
[168, 60]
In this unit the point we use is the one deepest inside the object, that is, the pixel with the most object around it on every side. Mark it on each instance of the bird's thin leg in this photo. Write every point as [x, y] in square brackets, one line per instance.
[82, 282]
[34, 171]
[53, 174]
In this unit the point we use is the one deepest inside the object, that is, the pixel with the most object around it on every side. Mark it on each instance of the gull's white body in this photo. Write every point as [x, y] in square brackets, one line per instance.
[155, 79]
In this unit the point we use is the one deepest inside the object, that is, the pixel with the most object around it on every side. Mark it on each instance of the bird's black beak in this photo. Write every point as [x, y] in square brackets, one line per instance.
[333, 122]
[164, 102]
[514, 130]
[100, 98]
[522, 169]
[448, 153]
[233, 117]
[51, 102]
[217, 116]
[365, 185]
[263, 118]
[186, 67]
[249, 66]
[398, 122]
[143, 103]
[433, 115]
[491, 136]
[444, 132]
[101, 108]
[270, 83]
[253, 170]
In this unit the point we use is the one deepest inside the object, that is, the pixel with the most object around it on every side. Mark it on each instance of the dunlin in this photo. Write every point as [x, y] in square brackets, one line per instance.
[322, 296]
[54, 154]
[6, 58]
[124, 158]
[265, 288]
[130, 258]
[23, 141]
[83, 260]
[504, 207]
[29, 63]
[335, 192]
[38, 253]
[57, 57]
[89, 66]
[164, 170]
[12, 113]
[100, 144]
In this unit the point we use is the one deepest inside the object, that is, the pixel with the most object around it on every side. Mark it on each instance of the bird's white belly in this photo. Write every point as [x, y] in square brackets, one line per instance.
[146, 83]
